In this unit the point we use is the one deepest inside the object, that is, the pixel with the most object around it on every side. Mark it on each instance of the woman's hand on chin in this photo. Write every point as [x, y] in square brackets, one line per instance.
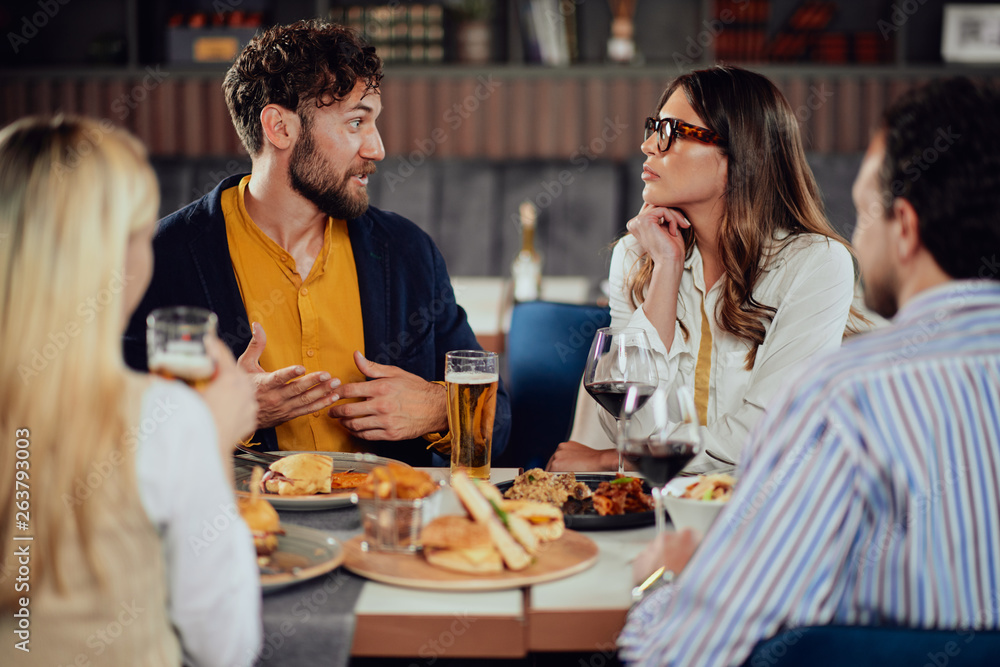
[658, 231]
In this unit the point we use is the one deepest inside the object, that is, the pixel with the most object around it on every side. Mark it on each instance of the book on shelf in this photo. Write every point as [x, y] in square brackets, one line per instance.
[408, 33]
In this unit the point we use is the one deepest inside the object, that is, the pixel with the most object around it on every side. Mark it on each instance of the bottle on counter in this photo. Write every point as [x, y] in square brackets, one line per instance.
[527, 266]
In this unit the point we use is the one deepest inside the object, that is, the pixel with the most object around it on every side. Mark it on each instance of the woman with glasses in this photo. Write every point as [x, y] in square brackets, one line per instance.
[119, 519]
[730, 266]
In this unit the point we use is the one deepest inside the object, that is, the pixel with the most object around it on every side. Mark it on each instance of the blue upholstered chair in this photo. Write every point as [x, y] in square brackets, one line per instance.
[829, 646]
[547, 348]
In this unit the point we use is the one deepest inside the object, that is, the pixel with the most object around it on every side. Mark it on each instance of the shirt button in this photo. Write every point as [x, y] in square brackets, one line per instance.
[304, 291]
[310, 353]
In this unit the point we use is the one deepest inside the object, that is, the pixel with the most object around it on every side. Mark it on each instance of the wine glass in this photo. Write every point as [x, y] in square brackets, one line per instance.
[619, 358]
[659, 436]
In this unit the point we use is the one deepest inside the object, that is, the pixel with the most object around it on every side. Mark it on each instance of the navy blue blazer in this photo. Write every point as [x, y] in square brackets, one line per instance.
[408, 306]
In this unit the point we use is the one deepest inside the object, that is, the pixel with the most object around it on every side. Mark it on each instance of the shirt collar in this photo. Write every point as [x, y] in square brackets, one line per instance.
[947, 298]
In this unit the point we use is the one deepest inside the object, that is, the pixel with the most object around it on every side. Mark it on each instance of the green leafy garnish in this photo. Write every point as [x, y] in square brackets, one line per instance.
[531, 478]
[500, 512]
[621, 480]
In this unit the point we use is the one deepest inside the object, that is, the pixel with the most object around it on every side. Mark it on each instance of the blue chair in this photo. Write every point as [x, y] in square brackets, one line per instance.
[547, 348]
[856, 646]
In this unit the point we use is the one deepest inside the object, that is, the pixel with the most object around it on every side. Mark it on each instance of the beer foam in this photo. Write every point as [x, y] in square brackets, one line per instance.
[185, 366]
[470, 377]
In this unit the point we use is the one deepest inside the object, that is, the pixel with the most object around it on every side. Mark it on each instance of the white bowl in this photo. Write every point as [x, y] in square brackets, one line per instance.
[689, 513]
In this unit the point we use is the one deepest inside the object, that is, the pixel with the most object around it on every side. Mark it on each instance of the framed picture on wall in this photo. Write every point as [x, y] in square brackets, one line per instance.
[971, 34]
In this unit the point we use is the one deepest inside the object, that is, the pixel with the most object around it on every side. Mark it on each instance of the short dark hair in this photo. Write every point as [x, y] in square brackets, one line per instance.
[306, 62]
[943, 156]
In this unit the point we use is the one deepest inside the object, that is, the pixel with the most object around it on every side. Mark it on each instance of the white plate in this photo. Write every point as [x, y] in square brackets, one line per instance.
[342, 461]
[303, 553]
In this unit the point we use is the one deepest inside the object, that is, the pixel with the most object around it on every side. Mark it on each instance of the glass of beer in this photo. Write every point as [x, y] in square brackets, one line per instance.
[175, 344]
[472, 377]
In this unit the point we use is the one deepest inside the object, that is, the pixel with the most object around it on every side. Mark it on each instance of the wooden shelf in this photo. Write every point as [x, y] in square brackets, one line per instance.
[485, 112]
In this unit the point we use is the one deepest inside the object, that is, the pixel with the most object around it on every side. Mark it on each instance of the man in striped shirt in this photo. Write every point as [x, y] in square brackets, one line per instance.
[870, 491]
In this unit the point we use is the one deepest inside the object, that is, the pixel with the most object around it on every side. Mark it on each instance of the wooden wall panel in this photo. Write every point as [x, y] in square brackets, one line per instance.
[532, 114]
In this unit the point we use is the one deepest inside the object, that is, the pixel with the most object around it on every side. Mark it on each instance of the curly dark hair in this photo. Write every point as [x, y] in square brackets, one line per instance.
[307, 62]
[942, 154]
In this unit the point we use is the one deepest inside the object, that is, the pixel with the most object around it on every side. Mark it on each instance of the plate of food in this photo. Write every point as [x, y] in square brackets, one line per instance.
[311, 480]
[588, 501]
[498, 544]
[286, 554]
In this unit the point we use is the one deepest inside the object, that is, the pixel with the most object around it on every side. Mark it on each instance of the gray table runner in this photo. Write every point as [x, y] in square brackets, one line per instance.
[312, 623]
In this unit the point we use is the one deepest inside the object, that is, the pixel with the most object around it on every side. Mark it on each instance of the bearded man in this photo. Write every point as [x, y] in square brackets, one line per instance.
[356, 302]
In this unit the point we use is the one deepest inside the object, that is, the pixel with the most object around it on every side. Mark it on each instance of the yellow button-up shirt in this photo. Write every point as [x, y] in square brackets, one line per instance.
[314, 322]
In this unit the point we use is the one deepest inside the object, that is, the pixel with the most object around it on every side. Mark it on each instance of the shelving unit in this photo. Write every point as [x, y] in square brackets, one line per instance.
[500, 111]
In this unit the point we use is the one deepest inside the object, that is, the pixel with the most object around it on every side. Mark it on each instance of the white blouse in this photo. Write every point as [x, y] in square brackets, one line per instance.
[211, 562]
[810, 282]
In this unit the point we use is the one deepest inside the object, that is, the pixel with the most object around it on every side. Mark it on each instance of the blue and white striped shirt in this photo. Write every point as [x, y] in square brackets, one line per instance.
[870, 494]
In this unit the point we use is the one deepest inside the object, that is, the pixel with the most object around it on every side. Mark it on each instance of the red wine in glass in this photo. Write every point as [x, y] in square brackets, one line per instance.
[659, 462]
[610, 395]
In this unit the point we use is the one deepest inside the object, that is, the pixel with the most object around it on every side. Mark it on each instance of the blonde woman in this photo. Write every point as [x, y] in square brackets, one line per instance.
[114, 475]
[731, 266]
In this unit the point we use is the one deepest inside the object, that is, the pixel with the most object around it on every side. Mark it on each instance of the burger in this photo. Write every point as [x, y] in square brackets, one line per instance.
[460, 544]
[299, 475]
[262, 520]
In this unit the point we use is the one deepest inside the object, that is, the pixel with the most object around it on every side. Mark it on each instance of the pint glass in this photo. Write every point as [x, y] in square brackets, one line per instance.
[175, 344]
[472, 377]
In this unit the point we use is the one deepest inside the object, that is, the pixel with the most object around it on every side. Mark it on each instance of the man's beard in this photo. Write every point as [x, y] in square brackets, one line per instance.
[880, 294]
[318, 181]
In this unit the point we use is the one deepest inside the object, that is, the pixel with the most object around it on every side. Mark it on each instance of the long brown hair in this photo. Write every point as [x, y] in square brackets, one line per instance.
[770, 189]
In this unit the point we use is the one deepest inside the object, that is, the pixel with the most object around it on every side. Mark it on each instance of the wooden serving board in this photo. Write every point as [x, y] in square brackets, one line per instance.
[571, 553]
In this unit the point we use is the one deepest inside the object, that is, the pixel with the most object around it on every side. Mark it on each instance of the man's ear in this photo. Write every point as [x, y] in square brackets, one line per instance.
[908, 241]
[280, 125]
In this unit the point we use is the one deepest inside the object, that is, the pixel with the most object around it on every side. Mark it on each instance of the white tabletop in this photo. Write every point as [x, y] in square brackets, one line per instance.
[581, 612]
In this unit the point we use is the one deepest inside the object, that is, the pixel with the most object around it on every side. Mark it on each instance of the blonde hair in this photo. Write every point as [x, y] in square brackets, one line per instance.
[72, 191]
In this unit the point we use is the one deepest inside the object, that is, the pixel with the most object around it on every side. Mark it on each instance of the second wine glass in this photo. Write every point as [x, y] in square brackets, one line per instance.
[619, 358]
[660, 435]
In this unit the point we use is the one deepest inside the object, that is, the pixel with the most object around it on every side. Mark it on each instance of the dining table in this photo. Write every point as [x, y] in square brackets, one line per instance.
[328, 619]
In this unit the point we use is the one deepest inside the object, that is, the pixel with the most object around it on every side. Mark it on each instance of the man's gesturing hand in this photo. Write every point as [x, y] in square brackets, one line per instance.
[397, 405]
[285, 393]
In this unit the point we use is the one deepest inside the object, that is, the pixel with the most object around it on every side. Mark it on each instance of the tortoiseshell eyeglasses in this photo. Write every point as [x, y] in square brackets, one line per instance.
[668, 128]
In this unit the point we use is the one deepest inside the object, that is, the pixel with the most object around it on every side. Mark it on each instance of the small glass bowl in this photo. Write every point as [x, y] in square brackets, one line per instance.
[393, 524]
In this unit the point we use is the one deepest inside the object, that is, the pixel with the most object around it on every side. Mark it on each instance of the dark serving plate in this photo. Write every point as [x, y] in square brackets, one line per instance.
[596, 521]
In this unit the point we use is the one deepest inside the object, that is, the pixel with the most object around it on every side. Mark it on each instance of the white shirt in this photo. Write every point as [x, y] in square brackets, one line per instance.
[810, 282]
[212, 574]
